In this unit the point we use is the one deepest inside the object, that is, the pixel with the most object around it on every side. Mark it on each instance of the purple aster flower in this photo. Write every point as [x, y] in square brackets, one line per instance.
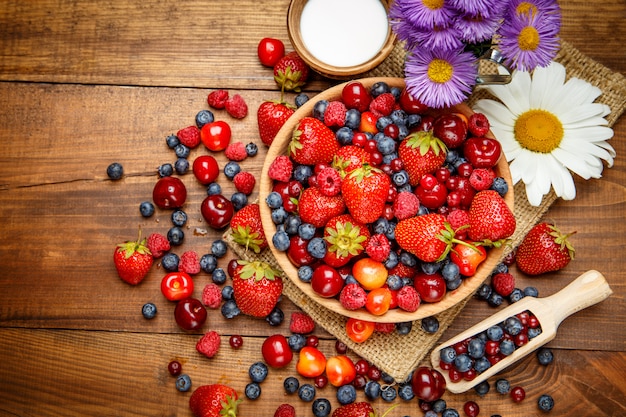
[549, 8]
[440, 78]
[424, 14]
[441, 37]
[487, 8]
[528, 41]
[475, 29]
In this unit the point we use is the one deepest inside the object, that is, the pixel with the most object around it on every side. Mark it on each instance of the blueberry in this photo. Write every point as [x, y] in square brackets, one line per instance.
[379, 88]
[214, 189]
[545, 356]
[208, 263]
[447, 354]
[353, 119]
[344, 135]
[500, 186]
[495, 333]
[516, 295]
[253, 391]
[531, 292]
[227, 292]
[149, 310]
[507, 347]
[405, 392]
[380, 226]
[279, 215]
[503, 386]
[532, 333]
[179, 218]
[389, 393]
[349, 279]
[396, 92]
[453, 285]
[219, 248]
[429, 268]
[172, 141]
[231, 169]
[450, 271]
[115, 171]
[176, 236]
[230, 309]
[169, 262]
[430, 324]
[399, 117]
[390, 157]
[280, 240]
[306, 392]
[306, 231]
[476, 348]
[513, 326]
[292, 223]
[317, 247]
[146, 209]
[495, 299]
[394, 282]
[218, 276]
[408, 259]
[239, 200]
[296, 342]
[372, 389]
[481, 364]
[305, 273]
[183, 383]
[439, 405]
[276, 317]
[319, 108]
[182, 151]
[404, 327]
[484, 292]
[181, 166]
[274, 200]
[387, 146]
[346, 394]
[300, 99]
[429, 413]
[204, 117]
[251, 149]
[483, 388]
[463, 362]
[165, 170]
[321, 407]
[450, 412]
[392, 260]
[383, 122]
[413, 120]
[258, 372]
[301, 173]
[291, 384]
[400, 178]
[545, 403]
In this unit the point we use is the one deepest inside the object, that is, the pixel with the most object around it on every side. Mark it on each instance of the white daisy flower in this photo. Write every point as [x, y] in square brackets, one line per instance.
[549, 127]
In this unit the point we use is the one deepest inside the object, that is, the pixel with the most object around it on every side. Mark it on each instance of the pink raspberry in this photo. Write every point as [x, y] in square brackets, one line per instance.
[158, 245]
[209, 344]
[459, 220]
[503, 283]
[217, 99]
[301, 323]
[406, 205]
[281, 168]
[385, 328]
[383, 105]
[244, 182]
[212, 295]
[378, 247]
[352, 296]
[478, 124]
[481, 178]
[329, 181]
[335, 114]
[189, 136]
[408, 298]
[236, 151]
[189, 262]
[236, 107]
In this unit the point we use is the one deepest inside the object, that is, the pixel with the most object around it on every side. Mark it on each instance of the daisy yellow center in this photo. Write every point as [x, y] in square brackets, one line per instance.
[538, 131]
[526, 8]
[433, 4]
[440, 71]
[528, 39]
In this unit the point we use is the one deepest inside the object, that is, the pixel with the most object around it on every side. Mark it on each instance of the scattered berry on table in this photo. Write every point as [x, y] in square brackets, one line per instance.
[174, 368]
[212, 296]
[217, 99]
[346, 394]
[230, 309]
[235, 341]
[236, 151]
[321, 407]
[181, 166]
[189, 262]
[483, 388]
[170, 262]
[132, 260]
[183, 383]
[209, 344]
[545, 403]
[239, 200]
[301, 323]
[231, 169]
[115, 171]
[175, 235]
[252, 391]
[227, 292]
[300, 99]
[179, 218]
[172, 141]
[275, 317]
[291, 384]
[157, 244]
[236, 106]
[182, 151]
[219, 248]
[258, 371]
[389, 393]
[518, 394]
[189, 136]
[296, 342]
[291, 72]
[218, 276]
[165, 170]
[430, 324]
[214, 189]
[251, 149]
[149, 310]
[270, 51]
[285, 410]
[204, 117]
[244, 182]
[208, 263]
[503, 283]
[146, 208]
[306, 392]
[545, 356]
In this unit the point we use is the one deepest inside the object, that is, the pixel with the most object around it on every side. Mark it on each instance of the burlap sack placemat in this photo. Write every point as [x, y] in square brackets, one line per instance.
[399, 355]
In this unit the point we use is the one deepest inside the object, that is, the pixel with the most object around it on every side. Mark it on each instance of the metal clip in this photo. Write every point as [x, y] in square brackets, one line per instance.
[497, 58]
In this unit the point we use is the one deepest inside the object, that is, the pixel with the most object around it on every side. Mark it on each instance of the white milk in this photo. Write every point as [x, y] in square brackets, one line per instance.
[344, 33]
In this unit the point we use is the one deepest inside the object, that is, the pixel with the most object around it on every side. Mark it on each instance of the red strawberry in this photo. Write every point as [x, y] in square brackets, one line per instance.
[356, 409]
[350, 157]
[247, 229]
[429, 237]
[133, 260]
[490, 218]
[256, 287]
[301, 323]
[271, 116]
[345, 239]
[421, 153]
[313, 142]
[215, 400]
[291, 72]
[317, 208]
[365, 192]
[544, 249]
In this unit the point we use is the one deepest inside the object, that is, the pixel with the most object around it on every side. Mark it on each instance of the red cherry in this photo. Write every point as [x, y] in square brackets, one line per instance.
[518, 394]
[433, 198]
[190, 314]
[356, 96]
[298, 253]
[235, 341]
[482, 152]
[217, 210]
[471, 409]
[410, 104]
[169, 193]
[428, 384]
[216, 135]
[431, 288]
[276, 351]
[270, 51]
[326, 281]
[206, 169]
[451, 129]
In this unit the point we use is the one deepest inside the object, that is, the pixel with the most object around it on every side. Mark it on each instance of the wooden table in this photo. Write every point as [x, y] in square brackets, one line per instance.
[83, 84]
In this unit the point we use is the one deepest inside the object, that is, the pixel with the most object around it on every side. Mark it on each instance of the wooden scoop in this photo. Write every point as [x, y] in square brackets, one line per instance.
[588, 289]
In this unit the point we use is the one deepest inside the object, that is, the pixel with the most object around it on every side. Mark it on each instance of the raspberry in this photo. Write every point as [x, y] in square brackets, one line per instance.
[236, 107]
[209, 344]
[217, 99]
[385, 328]
[285, 410]
[281, 168]
[403, 271]
[408, 298]
[503, 283]
[335, 114]
[406, 205]
[478, 124]
[158, 245]
[301, 323]
[189, 262]
[481, 178]
[378, 247]
[236, 151]
[383, 105]
[458, 219]
[189, 136]
[352, 296]
[212, 295]
[329, 181]
[244, 182]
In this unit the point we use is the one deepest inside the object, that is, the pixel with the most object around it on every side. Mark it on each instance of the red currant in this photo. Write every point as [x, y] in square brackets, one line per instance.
[174, 368]
[518, 394]
[312, 341]
[235, 341]
[471, 409]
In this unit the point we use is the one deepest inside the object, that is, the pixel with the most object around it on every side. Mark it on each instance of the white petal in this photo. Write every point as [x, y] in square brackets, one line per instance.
[549, 83]
[583, 115]
[534, 194]
[588, 134]
[495, 111]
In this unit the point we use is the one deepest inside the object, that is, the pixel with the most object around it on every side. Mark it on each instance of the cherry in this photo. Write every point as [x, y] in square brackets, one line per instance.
[217, 210]
[362, 367]
[326, 281]
[451, 129]
[298, 253]
[356, 96]
[216, 135]
[428, 384]
[206, 169]
[392, 131]
[433, 198]
[276, 351]
[482, 152]
[410, 104]
[169, 193]
[190, 314]
[341, 347]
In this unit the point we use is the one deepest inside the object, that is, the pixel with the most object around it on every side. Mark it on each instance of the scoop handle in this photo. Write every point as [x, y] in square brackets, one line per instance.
[588, 289]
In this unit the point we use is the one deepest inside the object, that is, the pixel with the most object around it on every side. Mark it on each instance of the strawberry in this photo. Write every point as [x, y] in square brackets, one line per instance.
[317, 208]
[313, 142]
[421, 153]
[271, 116]
[133, 260]
[256, 287]
[490, 219]
[247, 229]
[356, 409]
[365, 192]
[214, 400]
[429, 237]
[345, 238]
[291, 72]
[350, 157]
[544, 249]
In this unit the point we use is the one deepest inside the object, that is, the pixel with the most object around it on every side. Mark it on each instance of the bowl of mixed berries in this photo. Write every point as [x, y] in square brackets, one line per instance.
[382, 209]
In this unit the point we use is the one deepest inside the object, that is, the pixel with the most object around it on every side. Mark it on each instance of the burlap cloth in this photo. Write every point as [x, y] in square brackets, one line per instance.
[399, 355]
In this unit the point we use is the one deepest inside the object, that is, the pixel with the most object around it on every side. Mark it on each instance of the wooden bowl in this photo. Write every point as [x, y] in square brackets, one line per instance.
[279, 147]
[344, 70]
